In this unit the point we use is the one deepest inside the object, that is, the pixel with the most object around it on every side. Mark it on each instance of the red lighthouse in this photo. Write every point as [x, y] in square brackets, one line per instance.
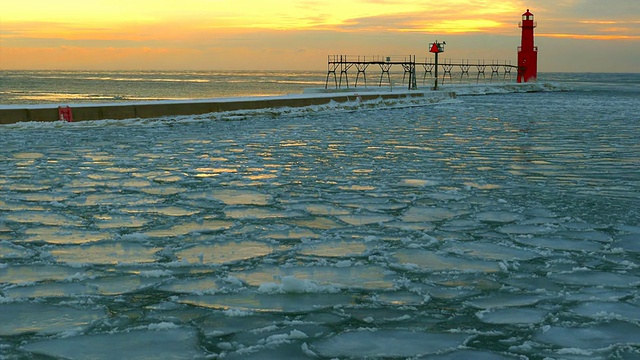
[527, 52]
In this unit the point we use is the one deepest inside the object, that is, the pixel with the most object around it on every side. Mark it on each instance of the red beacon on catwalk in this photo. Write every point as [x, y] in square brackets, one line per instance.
[527, 52]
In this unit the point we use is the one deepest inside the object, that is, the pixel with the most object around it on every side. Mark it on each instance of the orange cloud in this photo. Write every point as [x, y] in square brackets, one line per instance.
[591, 36]
[276, 33]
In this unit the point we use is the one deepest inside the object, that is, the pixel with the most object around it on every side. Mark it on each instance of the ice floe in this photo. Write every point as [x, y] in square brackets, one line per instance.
[386, 343]
[20, 318]
[169, 343]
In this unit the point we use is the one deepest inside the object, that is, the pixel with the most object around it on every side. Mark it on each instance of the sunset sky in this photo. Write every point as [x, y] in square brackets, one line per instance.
[572, 35]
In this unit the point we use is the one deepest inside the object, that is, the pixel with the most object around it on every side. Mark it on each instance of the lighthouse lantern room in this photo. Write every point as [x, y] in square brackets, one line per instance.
[527, 52]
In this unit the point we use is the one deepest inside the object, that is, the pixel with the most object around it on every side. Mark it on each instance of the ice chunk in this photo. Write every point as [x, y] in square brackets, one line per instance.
[587, 235]
[327, 277]
[284, 349]
[608, 310]
[11, 251]
[596, 294]
[107, 198]
[629, 243]
[184, 228]
[318, 222]
[498, 216]
[488, 251]
[192, 285]
[226, 322]
[162, 191]
[410, 226]
[323, 209]
[50, 290]
[423, 260]
[504, 300]
[221, 253]
[470, 355]
[20, 318]
[18, 274]
[335, 248]
[400, 298]
[42, 217]
[162, 210]
[106, 253]
[459, 225]
[597, 336]
[386, 343]
[61, 235]
[558, 243]
[428, 214]
[448, 293]
[248, 212]
[364, 218]
[512, 316]
[291, 284]
[289, 234]
[285, 303]
[419, 182]
[596, 278]
[117, 285]
[242, 197]
[171, 343]
[524, 229]
[118, 221]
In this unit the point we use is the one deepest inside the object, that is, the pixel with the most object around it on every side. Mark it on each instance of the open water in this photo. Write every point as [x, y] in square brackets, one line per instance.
[38, 87]
[55, 87]
[501, 226]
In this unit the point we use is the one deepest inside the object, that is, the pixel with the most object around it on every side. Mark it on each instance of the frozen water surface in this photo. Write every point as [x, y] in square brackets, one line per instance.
[504, 226]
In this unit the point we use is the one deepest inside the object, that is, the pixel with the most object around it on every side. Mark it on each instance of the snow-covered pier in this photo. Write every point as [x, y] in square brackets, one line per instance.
[365, 96]
[10, 114]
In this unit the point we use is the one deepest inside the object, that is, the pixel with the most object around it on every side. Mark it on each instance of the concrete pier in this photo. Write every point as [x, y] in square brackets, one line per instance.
[10, 114]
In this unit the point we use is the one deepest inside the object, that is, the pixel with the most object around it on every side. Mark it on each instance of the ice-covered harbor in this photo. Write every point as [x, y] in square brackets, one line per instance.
[503, 226]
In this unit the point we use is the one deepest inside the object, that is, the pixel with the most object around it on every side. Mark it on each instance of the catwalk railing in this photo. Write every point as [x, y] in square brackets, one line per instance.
[407, 66]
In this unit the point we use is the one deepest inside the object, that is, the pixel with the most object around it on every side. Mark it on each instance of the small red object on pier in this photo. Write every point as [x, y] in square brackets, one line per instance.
[65, 114]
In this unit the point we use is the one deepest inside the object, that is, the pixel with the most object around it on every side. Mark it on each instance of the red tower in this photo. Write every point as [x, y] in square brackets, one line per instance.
[527, 52]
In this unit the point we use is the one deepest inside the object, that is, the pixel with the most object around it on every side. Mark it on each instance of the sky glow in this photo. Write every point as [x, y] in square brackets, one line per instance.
[297, 35]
